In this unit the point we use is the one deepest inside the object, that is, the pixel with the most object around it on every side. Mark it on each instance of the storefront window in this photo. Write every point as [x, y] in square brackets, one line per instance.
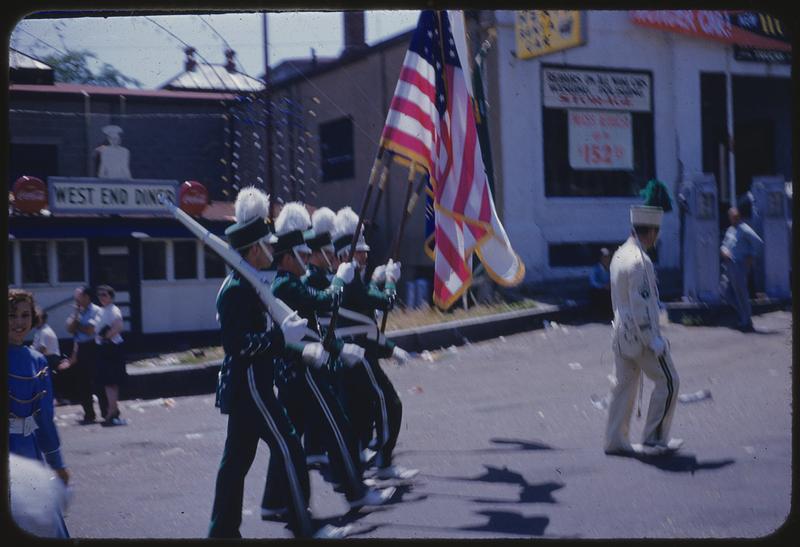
[215, 266]
[70, 257]
[597, 132]
[185, 255]
[336, 144]
[154, 260]
[11, 280]
[33, 256]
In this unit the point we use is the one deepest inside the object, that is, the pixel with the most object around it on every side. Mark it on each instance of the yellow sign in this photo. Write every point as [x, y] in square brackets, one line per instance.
[540, 32]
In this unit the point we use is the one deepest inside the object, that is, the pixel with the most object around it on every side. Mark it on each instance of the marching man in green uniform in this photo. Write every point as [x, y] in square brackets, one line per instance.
[305, 389]
[245, 388]
[319, 269]
[372, 399]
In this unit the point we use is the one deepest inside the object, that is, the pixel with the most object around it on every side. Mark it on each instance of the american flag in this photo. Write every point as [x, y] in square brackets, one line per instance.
[431, 121]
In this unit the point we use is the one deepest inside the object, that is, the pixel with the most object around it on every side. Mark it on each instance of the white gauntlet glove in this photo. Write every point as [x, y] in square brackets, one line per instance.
[315, 355]
[345, 272]
[293, 328]
[379, 274]
[352, 354]
[400, 354]
[392, 271]
[658, 346]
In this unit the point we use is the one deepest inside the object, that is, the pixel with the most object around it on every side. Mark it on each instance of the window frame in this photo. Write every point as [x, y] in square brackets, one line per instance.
[649, 150]
[56, 277]
[322, 156]
[49, 252]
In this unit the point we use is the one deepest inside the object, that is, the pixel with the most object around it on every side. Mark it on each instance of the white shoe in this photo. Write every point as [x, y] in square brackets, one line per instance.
[274, 514]
[396, 472]
[367, 455]
[333, 532]
[658, 449]
[374, 497]
[317, 459]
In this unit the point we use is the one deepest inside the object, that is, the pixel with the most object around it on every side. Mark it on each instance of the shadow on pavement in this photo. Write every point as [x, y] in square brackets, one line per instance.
[679, 463]
[515, 446]
[508, 522]
[529, 493]
[522, 444]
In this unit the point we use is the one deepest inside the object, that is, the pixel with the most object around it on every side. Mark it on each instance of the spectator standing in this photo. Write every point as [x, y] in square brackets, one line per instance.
[739, 246]
[81, 324]
[45, 342]
[110, 362]
[32, 432]
[600, 286]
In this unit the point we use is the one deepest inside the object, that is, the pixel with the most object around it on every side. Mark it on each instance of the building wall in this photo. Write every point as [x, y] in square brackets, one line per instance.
[191, 309]
[362, 90]
[614, 42]
[179, 140]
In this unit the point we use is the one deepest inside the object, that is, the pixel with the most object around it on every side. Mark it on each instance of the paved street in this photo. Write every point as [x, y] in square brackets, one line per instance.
[508, 437]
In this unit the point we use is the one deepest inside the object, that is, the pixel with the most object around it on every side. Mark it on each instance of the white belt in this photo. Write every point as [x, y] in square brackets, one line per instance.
[22, 426]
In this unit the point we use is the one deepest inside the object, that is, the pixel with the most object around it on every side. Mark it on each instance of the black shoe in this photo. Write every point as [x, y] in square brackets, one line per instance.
[88, 420]
[748, 328]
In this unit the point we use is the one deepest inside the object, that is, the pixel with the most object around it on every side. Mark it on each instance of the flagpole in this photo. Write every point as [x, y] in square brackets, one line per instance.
[381, 187]
[407, 208]
[376, 165]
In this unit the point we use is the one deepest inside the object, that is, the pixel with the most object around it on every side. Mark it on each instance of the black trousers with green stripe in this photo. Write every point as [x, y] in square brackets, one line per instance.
[309, 398]
[257, 414]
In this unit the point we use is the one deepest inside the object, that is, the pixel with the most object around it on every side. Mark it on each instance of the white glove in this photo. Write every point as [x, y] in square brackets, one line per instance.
[293, 328]
[400, 354]
[658, 345]
[379, 274]
[392, 271]
[345, 272]
[315, 355]
[352, 354]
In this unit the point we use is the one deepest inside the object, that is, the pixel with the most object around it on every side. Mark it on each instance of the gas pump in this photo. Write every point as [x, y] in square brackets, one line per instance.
[771, 222]
[698, 201]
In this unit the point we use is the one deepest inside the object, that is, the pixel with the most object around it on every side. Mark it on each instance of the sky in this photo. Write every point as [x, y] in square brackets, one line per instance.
[139, 49]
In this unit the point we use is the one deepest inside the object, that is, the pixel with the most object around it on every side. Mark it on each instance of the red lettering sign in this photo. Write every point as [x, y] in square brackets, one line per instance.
[30, 194]
[192, 197]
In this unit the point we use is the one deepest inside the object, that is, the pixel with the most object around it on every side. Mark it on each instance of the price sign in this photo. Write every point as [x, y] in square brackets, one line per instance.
[600, 139]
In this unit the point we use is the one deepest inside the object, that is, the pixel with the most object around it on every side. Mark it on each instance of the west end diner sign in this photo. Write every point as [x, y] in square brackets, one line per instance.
[91, 195]
[573, 88]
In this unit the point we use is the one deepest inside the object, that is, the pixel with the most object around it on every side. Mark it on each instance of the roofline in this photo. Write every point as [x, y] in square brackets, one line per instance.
[347, 59]
[80, 89]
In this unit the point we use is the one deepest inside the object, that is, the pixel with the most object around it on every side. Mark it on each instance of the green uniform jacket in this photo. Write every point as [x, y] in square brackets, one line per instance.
[365, 298]
[245, 338]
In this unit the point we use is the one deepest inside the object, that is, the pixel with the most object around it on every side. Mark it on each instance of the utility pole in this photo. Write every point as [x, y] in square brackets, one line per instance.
[268, 118]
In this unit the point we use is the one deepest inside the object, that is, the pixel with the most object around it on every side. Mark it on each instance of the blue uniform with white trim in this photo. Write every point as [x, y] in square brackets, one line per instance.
[32, 432]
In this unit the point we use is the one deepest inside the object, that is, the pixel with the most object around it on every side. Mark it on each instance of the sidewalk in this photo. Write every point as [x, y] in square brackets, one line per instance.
[201, 378]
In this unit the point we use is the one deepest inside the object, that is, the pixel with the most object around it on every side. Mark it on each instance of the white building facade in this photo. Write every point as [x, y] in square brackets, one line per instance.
[559, 198]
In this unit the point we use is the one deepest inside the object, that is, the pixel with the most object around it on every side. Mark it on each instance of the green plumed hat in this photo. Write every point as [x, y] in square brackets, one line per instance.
[656, 194]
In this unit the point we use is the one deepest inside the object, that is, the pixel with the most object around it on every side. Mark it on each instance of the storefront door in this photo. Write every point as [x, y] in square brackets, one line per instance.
[113, 262]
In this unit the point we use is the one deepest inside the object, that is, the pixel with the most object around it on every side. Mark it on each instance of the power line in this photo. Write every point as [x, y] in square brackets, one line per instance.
[221, 37]
[40, 40]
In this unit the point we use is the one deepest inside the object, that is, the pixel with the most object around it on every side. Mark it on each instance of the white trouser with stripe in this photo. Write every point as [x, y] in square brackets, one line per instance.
[623, 397]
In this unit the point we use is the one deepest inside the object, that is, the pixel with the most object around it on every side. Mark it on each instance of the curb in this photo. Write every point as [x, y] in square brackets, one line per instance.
[183, 380]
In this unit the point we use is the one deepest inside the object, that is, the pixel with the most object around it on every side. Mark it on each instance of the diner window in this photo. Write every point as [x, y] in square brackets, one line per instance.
[154, 260]
[11, 277]
[214, 265]
[33, 258]
[185, 259]
[594, 145]
[337, 150]
[70, 256]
